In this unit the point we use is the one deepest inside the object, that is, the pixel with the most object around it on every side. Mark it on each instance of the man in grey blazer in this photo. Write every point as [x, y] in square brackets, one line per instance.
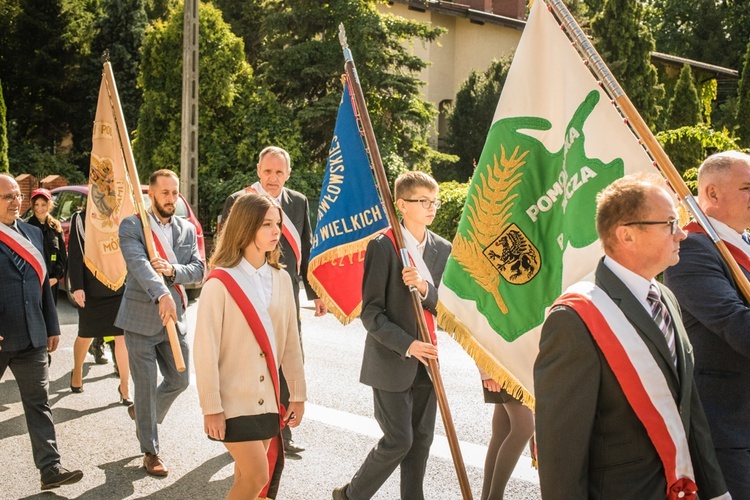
[717, 315]
[151, 298]
[29, 330]
[274, 169]
[592, 439]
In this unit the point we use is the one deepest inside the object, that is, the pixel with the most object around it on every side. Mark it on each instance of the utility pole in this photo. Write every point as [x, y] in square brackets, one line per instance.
[189, 143]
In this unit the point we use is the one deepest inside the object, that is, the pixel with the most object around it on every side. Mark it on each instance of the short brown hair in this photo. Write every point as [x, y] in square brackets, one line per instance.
[164, 172]
[623, 201]
[407, 182]
[239, 230]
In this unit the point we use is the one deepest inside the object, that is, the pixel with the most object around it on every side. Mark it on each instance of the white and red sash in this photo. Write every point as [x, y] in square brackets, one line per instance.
[287, 228]
[641, 380]
[417, 261]
[165, 251]
[738, 248]
[247, 298]
[25, 249]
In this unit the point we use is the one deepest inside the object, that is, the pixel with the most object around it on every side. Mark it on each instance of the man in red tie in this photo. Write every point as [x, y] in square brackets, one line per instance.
[29, 330]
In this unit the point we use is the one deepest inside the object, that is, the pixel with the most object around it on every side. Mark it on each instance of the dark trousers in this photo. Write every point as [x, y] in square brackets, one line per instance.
[29, 367]
[735, 465]
[407, 420]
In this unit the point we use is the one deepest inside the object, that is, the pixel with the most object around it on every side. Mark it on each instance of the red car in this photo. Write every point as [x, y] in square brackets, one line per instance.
[70, 199]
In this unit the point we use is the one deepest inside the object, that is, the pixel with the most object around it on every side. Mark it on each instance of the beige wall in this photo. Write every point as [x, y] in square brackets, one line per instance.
[464, 47]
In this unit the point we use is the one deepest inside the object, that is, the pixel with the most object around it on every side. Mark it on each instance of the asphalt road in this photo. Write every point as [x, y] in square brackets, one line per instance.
[96, 435]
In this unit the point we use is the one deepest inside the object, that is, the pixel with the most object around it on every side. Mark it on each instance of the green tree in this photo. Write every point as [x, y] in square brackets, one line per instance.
[470, 118]
[625, 43]
[688, 146]
[4, 165]
[238, 117]
[684, 107]
[743, 102]
[246, 19]
[302, 63]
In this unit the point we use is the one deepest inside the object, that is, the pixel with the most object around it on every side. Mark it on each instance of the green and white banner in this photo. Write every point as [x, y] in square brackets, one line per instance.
[527, 230]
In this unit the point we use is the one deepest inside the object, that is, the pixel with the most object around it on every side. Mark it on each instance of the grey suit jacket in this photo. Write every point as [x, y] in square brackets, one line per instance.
[717, 320]
[139, 311]
[387, 313]
[590, 442]
[295, 205]
[27, 311]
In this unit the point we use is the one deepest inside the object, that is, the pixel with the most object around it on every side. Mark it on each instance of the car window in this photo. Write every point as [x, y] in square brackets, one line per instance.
[67, 203]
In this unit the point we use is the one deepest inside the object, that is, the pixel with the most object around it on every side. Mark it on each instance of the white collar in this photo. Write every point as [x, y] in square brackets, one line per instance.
[245, 266]
[637, 284]
[420, 245]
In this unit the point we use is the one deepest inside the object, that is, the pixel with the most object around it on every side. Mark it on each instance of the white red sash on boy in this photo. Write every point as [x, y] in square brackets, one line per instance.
[25, 249]
[287, 228]
[641, 380]
[164, 249]
[245, 295]
[417, 261]
[738, 248]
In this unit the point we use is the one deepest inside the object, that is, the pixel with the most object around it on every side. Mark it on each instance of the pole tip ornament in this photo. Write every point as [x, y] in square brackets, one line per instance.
[344, 45]
[105, 56]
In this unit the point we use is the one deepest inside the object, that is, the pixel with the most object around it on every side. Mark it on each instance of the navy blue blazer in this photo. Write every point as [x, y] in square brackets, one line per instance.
[27, 311]
[717, 319]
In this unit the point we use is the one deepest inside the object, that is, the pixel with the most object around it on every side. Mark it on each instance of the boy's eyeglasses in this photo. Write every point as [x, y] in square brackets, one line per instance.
[426, 203]
[672, 223]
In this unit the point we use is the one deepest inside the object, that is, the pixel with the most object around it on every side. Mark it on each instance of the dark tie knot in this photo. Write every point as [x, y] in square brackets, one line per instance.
[746, 237]
[653, 294]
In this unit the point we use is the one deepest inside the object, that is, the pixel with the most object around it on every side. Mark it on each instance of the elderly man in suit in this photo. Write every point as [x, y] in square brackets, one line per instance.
[154, 295]
[717, 315]
[29, 330]
[274, 169]
[617, 412]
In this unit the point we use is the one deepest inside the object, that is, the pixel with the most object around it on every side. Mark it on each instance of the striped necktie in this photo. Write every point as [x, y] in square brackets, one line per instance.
[17, 259]
[746, 237]
[663, 320]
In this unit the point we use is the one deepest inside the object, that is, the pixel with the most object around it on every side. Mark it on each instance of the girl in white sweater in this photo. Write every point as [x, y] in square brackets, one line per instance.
[246, 329]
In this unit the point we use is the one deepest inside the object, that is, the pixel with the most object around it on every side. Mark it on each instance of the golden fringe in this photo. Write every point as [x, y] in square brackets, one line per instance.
[330, 255]
[484, 360]
[102, 278]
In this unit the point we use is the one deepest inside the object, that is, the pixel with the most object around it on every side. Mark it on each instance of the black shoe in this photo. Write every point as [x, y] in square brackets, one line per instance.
[74, 389]
[58, 476]
[124, 401]
[290, 447]
[340, 493]
[292, 456]
[96, 349]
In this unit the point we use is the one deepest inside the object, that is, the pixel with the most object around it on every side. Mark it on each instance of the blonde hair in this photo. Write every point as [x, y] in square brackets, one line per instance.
[50, 221]
[408, 182]
[244, 220]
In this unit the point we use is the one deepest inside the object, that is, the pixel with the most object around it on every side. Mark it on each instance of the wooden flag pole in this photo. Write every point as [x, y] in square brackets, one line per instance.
[641, 130]
[416, 302]
[135, 186]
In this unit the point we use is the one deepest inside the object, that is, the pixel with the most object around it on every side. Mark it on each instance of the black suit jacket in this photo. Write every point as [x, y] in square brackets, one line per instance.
[590, 442]
[27, 311]
[387, 313]
[717, 320]
[295, 205]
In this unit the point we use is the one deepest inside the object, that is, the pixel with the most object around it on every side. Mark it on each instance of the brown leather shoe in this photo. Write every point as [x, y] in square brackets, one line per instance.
[154, 465]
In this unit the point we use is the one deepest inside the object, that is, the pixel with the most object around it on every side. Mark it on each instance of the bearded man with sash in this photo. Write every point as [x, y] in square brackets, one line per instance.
[153, 295]
[29, 330]
[274, 169]
[617, 412]
[717, 315]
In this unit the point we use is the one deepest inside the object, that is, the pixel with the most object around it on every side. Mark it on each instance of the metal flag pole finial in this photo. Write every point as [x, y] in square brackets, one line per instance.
[344, 45]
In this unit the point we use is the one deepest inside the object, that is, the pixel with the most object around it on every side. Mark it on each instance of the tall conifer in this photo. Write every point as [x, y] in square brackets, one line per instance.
[684, 107]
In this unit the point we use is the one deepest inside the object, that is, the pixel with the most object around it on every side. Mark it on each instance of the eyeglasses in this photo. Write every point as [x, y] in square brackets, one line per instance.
[426, 203]
[672, 223]
[10, 197]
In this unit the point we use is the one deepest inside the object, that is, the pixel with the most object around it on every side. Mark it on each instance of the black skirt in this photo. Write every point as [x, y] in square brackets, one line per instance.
[250, 428]
[501, 397]
[97, 319]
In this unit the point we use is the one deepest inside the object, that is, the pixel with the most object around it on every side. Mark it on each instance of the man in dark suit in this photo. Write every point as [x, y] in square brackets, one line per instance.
[394, 359]
[617, 413]
[274, 169]
[153, 295]
[717, 315]
[29, 330]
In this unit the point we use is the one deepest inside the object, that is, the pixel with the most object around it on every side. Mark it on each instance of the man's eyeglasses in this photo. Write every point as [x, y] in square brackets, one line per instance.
[426, 203]
[10, 197]
[672, 223]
